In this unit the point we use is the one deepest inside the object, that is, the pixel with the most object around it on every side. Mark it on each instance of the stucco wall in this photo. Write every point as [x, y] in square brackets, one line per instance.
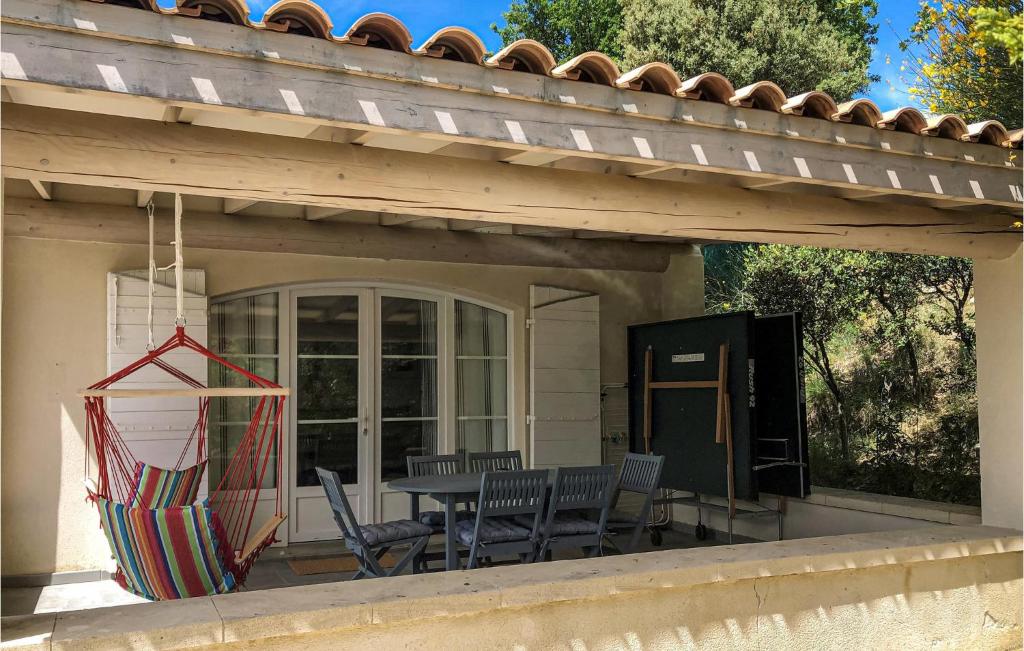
[54, 320]
[948, 588]
[999, 314]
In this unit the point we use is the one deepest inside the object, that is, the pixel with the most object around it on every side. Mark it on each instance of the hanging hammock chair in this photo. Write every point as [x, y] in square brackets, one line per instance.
[166, 545]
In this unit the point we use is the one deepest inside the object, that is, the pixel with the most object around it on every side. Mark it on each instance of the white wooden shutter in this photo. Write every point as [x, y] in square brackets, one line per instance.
[565, 377]
[154, 428]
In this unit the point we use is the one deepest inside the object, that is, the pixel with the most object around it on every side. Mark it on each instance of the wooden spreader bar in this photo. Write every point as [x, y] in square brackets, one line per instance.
[268, 528]
[221, 392]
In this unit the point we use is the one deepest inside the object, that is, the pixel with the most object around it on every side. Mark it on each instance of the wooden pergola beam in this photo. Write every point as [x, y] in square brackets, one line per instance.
[35, 218]
[71, 147]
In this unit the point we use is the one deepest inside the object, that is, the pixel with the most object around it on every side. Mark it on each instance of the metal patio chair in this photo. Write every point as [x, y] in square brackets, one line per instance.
[494, 531]
[640, 474]
[577, 510]
[495, 461]
[438, 464]
[369, 542]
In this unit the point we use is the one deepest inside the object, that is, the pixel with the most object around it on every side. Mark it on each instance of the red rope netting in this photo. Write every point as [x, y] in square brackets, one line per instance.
[235, 498]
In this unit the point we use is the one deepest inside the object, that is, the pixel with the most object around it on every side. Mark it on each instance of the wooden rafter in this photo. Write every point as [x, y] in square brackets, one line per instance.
[177, 158]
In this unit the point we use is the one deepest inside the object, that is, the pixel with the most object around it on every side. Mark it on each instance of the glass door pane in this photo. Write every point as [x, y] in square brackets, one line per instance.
[327, 387]
[408, 382]
[481, 378]
[244, 331]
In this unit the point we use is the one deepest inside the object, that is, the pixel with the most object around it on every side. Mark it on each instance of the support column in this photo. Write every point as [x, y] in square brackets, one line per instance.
[1000, 330]
[682, 285]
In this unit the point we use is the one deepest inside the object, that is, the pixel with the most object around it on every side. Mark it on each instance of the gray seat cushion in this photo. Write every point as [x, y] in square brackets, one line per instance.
[436, 518]
[492, 530]
[564, 524]
[621, 518]
[376, 534]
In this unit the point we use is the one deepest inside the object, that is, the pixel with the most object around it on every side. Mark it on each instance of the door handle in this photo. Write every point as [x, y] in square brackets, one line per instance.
[366, 423]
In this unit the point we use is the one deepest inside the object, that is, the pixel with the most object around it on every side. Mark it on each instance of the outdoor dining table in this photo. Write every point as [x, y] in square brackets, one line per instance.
[449, 490]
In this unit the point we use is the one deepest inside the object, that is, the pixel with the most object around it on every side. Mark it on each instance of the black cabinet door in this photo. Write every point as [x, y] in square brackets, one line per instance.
[683, 420]
[781, 407]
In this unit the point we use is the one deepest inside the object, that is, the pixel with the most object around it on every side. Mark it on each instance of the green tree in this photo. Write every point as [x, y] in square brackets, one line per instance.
[789, 42]
[566, 27]
[855, 20]
[1001, 27]
[893, 281]
[964, 56]
[723, 275]
[823, 285]
[952, 281]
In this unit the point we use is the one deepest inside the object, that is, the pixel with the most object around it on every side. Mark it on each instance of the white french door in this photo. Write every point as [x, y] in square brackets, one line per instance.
[365, 369]
[409, 418]
[330, 418]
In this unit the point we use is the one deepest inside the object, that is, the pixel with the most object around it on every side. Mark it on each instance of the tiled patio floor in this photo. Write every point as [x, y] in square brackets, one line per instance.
[272, 571]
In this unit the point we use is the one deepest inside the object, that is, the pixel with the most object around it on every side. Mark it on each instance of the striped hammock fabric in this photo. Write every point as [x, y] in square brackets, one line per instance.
[168, 553]
[160, 488]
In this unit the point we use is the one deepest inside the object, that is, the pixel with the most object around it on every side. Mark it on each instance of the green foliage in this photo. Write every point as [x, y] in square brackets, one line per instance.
[819, 283]
[723, 276]
[854, 20]
[566, 27]
[789, 42]
[822, 285]
[889, 339]
[964, 56]
[1000, 27]
[823, 45]
[951, 280]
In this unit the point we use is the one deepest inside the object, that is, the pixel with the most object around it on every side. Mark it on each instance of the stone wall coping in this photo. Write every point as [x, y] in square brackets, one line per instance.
[904, 507]
[331, 608]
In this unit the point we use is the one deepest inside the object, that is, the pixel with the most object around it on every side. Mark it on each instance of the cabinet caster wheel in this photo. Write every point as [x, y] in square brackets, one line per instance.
[701, 532]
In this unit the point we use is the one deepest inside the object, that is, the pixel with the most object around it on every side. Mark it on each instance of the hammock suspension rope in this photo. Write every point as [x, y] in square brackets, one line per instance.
[150, 514]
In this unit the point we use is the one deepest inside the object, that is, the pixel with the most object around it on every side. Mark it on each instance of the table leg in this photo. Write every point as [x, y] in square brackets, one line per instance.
[414, 507]
[451, 552]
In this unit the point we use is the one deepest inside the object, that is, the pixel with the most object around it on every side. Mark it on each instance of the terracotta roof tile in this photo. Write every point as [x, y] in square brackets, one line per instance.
[859, 111]
[813, 104]
[653, 77]
[989, 132]
[298, 17]
[946, 126]
[235, 12]
[760, 95]
[905, 119]
[379, 30]
[525, 55]
[709, 86]
[593, 67]
[457, 43]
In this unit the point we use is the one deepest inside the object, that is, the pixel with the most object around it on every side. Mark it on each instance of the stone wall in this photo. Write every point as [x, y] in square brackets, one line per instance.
[947, 587]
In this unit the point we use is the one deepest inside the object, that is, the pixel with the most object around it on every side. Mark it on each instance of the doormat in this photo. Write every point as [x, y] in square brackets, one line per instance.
[331, 564]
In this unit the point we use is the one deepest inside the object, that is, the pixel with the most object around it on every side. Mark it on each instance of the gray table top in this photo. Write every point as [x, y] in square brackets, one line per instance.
[467, 483]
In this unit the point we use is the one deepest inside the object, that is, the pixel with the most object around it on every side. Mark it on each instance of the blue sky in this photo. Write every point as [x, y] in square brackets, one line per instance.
[424, 17]
[894, 20]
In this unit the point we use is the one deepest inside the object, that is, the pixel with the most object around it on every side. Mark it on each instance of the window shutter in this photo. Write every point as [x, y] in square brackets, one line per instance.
[154, 428]
[565, 377]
